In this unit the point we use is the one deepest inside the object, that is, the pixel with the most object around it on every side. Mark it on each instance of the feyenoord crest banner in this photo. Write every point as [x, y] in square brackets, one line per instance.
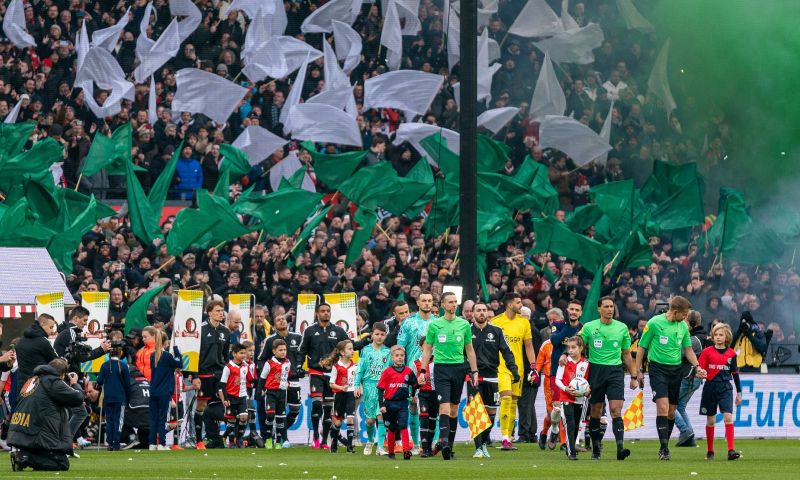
[51, 304]
[186, 332]
[343, 311]
[95, 329]
[241, 302]
[306, 303]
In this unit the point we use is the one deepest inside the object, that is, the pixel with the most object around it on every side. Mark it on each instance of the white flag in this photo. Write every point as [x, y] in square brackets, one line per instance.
[100, 67]
[14, 26]
[633, 19]
[548, 96]
[414, 133]
[207, 93]
[407, 90]
[143, 42]
[107, 37]
[338, 127]
[335, 78]
[573, 46]
[658, 83]
[410, 21]
[572, 137]
[485, 70]
[605, 134]
[249, 7]
[320, 20]
[294, 97]
[186, 8]
[285, 169]
[269, 21]
[120, 88]
[567, 21]
[453, 28]
[536, 19]
[487, 9]
[496, 118]
[392, 37]
[152, 108]
[340, 98]
[14, 113]
[278, 58]
[81, 47]
[348, 45]
[153, 55]
[258, 143]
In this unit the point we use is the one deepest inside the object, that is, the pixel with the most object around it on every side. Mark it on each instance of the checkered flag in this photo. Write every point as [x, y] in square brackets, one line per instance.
[475, 415]
[633, 417]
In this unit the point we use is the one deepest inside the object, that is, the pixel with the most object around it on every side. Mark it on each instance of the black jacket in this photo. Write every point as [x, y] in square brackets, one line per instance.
[319, 342]
[293, 342]
[33, 349]
[65, 338]
[214, 346]
[138, 406]
[489, 344]
[41, 416]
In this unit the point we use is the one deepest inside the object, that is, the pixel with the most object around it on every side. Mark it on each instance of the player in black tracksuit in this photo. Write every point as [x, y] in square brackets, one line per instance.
[214, 348]
[489, 343]
[319, 340]
[293, 342]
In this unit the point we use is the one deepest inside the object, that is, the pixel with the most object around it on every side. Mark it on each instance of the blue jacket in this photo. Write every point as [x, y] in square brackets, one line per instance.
[115, 379]
[162, 382]
[190, 173]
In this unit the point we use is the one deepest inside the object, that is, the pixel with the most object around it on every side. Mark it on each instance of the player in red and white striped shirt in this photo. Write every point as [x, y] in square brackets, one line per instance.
[576, 367]
[232, 391]
[275, 376]
[343, 383]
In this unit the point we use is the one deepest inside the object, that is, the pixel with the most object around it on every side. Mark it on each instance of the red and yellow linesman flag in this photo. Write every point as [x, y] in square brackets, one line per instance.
[475, 415]
[633, 417]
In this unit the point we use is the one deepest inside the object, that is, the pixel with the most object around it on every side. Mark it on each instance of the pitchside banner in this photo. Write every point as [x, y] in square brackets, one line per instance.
[51, 304]
[343, 311]
[241, 302]
[186, 334]
[770, 409]
[95, 329]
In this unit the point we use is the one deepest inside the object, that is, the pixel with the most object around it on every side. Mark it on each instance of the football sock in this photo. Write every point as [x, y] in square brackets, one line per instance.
[505, 417]
[424, 430]
[326, 422]
[444, 428]
[710, 438]
[453, 428]
[381, 433]
[316, 414]
[405, 440]
[618, 426]
[729, 435]
[594, 431]
[413, 426]
[662, 424]
[371, 433]
[350, 433]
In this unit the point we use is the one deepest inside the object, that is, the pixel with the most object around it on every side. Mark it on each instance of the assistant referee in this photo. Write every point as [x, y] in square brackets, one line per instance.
[448, 339]
[664, 339]
[609, 344]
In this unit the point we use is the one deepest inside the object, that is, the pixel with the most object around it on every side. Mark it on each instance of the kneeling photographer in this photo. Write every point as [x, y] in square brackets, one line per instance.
[39, 425]
[71, 345]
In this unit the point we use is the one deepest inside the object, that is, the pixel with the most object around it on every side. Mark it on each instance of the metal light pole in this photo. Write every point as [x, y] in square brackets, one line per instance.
[468, 122]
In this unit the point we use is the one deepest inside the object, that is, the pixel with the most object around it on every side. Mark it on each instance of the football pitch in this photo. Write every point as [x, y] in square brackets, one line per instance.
[767, 459]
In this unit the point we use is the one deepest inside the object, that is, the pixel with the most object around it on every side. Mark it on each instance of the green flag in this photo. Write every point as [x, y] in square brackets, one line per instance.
[366, 220]
[295, 180]
[495, 230]
[223, 186]
[535, 175]
[584, 217]
[15, 136]
[144, 221]
[732, 223]
[761, 246]
[492, 155]
[281, 212]
[235, 161]
[158, 194]
[592, 297]
[380, 186]
[213, 222]
[333, 169]
[20, 227]
[435, 147]
[77, 202]
[33, 163]
[421, 172]
[110, 153]
[666, 179]
[682, 209]
[554, 236]
[444, 212]
[305, 234]
[44, 201]
[502, 193]
[64, 245]
[136, 317]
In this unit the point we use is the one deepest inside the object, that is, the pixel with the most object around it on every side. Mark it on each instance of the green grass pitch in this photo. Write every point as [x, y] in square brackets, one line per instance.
[766, 459]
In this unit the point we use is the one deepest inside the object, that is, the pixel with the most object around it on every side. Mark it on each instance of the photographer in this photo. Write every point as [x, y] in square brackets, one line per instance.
[33, 348]
[751, 342]
[39, 424]
[71, 345]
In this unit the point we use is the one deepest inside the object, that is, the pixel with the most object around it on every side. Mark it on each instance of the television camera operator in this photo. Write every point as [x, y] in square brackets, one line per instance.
[71, 345]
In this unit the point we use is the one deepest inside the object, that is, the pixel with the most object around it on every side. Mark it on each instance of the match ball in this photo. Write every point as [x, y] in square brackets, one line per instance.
[580, 385]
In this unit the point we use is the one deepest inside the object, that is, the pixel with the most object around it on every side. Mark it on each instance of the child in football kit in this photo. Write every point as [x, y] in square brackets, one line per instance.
[373, 359]
[396, 385]
[343, 384]
[428, 403]
[254, 439]
[275, 377]
[232, 392]
[719, 361]
[577, 367]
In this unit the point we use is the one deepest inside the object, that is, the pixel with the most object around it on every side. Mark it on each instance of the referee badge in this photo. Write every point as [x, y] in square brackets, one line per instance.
[458, 338]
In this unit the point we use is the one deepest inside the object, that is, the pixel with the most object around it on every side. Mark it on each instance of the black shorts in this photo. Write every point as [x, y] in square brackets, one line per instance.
[344, 405]
[607, 381]
[717, 396]
[275, 401]
[428, 403]
[320, 386]
[665, 381]
[236, 407]
[208, 385]
[448, 381]
[293, 395]
[489, 393]
[396, 416]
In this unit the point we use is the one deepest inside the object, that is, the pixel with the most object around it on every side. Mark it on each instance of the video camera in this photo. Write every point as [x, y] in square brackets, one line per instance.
[77, 350]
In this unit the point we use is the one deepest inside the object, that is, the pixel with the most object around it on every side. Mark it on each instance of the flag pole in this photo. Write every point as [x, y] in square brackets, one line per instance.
[78, 183]
[164, 265]
[377, 224]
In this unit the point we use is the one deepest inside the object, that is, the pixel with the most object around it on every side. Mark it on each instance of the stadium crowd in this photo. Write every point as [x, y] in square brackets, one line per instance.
[400, 262]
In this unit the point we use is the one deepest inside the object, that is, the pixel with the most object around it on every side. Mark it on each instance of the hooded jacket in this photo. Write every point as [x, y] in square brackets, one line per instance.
[33, 350]
[41, 416]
